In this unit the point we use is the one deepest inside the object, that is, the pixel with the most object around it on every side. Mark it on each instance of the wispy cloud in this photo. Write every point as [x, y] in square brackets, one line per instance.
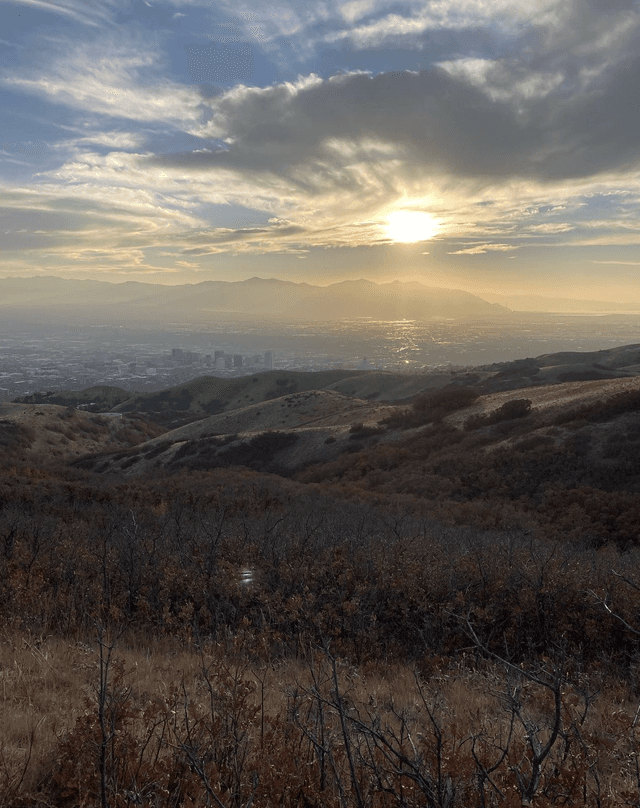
[92, 14]
[504, 80]
[550, 227]
[620, 263]
[114, 140]
[481, 249]
[105, 78]
[446, 14]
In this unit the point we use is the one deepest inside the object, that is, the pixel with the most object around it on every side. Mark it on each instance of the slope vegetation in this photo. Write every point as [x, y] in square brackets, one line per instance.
[44, 432]
[209, 395]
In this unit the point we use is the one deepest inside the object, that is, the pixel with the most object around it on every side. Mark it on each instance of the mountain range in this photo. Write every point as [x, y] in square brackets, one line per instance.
[558, 305]
[99, 301]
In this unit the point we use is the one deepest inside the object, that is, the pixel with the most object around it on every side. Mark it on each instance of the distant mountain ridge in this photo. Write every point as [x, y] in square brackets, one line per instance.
[270, 297]
[558, 305]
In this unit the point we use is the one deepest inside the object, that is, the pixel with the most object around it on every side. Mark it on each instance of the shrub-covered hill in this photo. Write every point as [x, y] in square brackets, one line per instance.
[99, 398]
[312, 425]
[564, 366]
[42, 433]
[208, 395]
[565, 459]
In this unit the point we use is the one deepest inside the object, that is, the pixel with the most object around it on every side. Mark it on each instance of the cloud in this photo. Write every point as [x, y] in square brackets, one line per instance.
[550, 227]
[623, 263]
[445, 122]
[332, 152]
[481, 249]
[503, 80]
[92, 14]
[490, 146]
[114, 78]
[447, 14]
[113, 140]
[356, 9]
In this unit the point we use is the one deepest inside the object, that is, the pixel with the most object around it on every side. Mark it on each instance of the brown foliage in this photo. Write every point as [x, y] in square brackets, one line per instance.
[515, 408]
[432, 407]
[602, 410]
[278, 642]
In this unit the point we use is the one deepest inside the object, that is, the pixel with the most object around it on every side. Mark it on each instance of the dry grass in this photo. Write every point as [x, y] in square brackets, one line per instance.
[169, 701]
[43, 683]
[549, 398]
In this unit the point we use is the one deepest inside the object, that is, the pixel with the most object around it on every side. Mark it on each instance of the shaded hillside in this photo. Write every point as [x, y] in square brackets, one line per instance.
[564, 459]
[618, 357]
[100, 398]
[209, 395]
[304, 427]
[564, 366]
[401, 387]
[311, 407]
[495, 460]
[334, 419]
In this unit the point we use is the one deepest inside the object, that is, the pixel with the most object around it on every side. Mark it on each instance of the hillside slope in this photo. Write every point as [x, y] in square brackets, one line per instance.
[211, 395]
[421, 451]
[45, 432]
[101, 396]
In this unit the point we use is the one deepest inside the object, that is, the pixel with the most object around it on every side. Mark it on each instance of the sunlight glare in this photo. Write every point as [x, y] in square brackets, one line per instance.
[410, 226]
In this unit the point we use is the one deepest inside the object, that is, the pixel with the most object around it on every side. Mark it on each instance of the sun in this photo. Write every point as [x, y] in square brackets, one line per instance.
[411, 225]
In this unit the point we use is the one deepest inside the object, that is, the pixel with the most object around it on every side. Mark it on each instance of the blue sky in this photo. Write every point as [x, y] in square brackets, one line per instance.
[191, 140]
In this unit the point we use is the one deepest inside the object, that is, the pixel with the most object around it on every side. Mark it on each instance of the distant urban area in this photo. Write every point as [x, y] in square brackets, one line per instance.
[56, 360]
[53, 357]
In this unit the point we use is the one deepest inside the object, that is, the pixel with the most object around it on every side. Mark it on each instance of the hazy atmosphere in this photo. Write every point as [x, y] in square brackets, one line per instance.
[475, 144]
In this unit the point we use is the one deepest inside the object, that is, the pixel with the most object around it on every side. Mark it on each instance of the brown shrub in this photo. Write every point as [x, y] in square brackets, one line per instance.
[431, 407]
[602, 410]
[515, 408]
[448, 399]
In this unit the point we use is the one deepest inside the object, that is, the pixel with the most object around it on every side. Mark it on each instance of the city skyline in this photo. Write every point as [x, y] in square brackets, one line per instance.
[471, 145]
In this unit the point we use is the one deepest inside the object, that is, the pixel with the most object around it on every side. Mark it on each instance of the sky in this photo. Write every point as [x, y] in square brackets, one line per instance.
[488, 145]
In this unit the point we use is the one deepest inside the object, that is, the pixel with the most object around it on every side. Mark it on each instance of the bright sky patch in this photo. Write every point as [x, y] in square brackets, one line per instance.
[410, 226]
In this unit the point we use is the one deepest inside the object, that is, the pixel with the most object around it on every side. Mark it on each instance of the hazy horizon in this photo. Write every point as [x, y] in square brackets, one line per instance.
[468, 145]
[517, 303]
